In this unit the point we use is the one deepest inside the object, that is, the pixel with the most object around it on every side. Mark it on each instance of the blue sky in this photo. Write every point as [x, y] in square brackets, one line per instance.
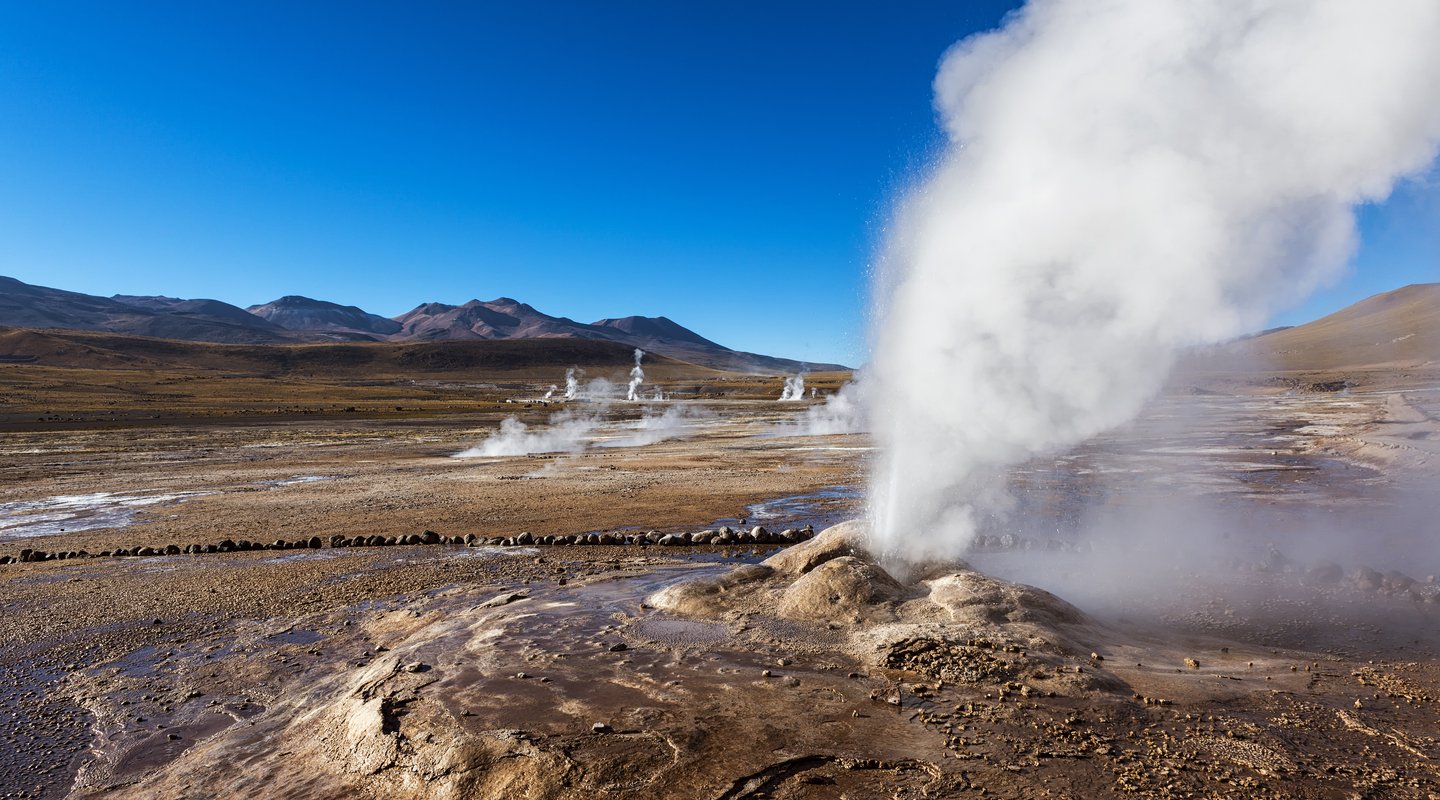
[728, 165]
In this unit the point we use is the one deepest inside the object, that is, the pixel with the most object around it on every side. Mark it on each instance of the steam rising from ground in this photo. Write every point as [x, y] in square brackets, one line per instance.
[567, 432]
[794, 388]
[842, 412]
[572, 384]
[637, 377]
[1125, 178]
[574, 431]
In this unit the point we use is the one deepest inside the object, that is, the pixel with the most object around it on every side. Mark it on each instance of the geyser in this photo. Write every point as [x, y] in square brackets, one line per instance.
[572, 384]
[794, 388]
[637, 377]
[1123, 179]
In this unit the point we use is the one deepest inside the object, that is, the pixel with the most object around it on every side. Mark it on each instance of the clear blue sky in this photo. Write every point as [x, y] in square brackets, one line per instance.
[730, 165]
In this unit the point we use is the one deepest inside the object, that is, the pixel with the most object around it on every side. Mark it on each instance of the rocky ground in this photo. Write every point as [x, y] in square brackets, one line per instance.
[744, 669]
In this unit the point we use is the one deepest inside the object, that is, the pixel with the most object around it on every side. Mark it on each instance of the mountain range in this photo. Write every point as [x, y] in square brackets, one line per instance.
[293, 319]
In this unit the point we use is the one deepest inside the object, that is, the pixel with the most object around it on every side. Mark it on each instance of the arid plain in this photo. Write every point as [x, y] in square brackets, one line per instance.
[1242, 595]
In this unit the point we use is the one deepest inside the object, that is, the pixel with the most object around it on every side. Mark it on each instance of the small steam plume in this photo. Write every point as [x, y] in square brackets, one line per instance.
[794, 388]
[842, 412]
[568, 432]
[551, 392]
[652, 428]
[1124, 179]
[572, 384]
[637, 377]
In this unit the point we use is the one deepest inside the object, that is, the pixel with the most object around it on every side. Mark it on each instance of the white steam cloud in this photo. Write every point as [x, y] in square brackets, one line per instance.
[1124, 178]
[674, 423]
[567, 432]
[637, 377]
[794, 388]
[572, 384]
[842, 412]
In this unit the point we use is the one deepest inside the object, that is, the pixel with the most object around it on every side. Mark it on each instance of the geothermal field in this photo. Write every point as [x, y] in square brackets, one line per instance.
[453, 588]
[1127, 487]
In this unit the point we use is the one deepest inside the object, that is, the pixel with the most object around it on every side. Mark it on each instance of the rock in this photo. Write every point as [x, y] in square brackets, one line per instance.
[707, 597]
[416, 666]
[172, 549]
[845, 539]
[1325, 572]
[601, 727]
[524, 539]
[701, 537]
[759, 534]
[429, 537]
[618, 647]
[314, 542]
[1397, 582]
[844, 590]
[1365, 578]
[504, 599]
[278, 544]
[337, 539]
[671, 540]
[1192, 663]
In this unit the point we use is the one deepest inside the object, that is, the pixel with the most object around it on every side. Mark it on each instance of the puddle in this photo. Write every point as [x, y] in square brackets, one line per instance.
[81, 512]
[298, 479]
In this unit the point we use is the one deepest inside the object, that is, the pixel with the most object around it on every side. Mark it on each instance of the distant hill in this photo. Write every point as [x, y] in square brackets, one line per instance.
[24, 305]
[537, 358]
[1396, 327]
[213, 310]
[296, 313]
[302, 319]
[502, 318]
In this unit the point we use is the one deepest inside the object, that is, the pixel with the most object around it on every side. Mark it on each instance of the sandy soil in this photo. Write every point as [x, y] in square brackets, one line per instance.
[1271, 667]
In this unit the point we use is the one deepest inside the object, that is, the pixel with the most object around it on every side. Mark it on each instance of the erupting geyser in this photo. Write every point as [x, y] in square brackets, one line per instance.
[794, 388]
[1124, 179]
[572, 384]
[637, 377]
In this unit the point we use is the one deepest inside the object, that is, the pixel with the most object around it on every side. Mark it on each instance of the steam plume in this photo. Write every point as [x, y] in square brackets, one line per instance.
[794, 388]
[637, 377]
[1124, 178]
[572, 384]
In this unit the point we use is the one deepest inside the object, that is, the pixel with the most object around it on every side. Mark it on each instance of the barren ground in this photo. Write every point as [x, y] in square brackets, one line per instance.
[479, 671]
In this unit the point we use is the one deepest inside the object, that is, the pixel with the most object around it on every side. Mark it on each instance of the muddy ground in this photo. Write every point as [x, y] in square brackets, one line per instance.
[1285, 648]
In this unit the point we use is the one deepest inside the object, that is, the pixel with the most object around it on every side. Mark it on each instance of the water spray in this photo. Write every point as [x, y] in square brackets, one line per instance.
[637, 377]
[794, 388]
[1123, 180]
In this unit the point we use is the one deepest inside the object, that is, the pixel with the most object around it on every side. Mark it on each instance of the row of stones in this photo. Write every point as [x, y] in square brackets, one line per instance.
[723, 536]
